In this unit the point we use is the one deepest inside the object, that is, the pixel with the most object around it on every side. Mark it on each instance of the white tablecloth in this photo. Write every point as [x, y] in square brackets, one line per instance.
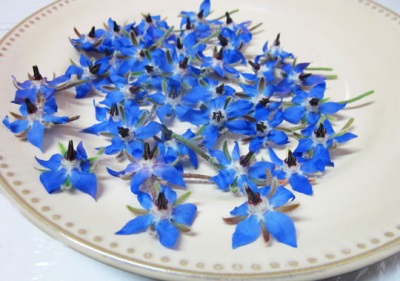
[26, 253]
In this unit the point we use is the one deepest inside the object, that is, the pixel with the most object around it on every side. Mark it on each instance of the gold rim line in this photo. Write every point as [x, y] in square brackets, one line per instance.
[145, 268]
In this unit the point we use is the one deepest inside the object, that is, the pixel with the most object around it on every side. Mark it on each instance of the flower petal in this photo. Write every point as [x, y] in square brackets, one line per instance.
[35, 134]
[170, 174]
[138, 178]
[53, 181]
[281, 227]
[281, 197]
[136, 225]
[300, 183]
[184, 213]
[85, 182]
[246, 231]
[167, 233]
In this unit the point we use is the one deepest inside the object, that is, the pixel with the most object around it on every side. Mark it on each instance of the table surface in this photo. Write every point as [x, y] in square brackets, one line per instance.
[26, 253]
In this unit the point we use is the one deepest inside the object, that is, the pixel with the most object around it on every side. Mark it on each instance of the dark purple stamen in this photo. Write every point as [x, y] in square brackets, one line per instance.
[228, 18]
[114, 111]
[200, 15]
[116, 28]
[123, 132]
[166, 132]
[291, 159]
[188, 24]
[149, 68]
[304, 76]
[222, 40]
[70, 154]
[255, 66]
[161, 202]
[314, 101]
[277, 41]
[92, 31]
[321, 131]
[148, 18]
[245, 159]
[94, 69]
[179, 44]
[217, 116]
[219, 56]
[36, 74]
[264, 101]
[31, 108]
[253, 198]
[220, 89]
[260, 127]
[147, 153]
[183, 64]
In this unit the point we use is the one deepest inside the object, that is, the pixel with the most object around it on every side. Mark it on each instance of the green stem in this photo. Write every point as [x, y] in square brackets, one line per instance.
[358, 97]
[205, 40]
[256, 26]
[231, 12]
[195, 176]
[331, 77]
[319, 69]
[191, 145]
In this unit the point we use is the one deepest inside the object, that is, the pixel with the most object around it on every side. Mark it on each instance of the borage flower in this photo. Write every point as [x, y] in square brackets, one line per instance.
[152, 166]
[163, 214]
[261, 214]
[69, 170]
[35, 118]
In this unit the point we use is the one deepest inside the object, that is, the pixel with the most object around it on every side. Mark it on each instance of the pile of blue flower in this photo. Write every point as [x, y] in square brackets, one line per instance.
[155, 78]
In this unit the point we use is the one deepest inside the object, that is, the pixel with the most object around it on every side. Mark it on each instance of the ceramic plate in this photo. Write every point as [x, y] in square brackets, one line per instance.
[351, 220]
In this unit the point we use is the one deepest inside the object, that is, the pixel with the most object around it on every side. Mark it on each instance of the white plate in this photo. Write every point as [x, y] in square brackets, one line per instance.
[350, 222]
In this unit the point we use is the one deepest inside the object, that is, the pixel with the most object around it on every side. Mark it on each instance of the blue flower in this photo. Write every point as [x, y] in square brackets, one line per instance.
[295, 172]
[151, 166]
[319, 141]
[273, 52]
[311, 106]
[36, 84]
[163, 215]
[237, 170]
[35, 118]
[261, 215]
[71, 170]
[89, 42]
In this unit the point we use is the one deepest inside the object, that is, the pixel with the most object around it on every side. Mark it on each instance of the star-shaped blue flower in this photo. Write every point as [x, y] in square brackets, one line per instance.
[162, 215]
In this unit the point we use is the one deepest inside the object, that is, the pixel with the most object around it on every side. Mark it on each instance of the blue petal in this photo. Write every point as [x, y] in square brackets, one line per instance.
[280, 197]
[304, 145]
[278, 137]
[246, 231]
[158, 98]
[138, 178]
[345, 137]
[147, 131]
[313, 117]
[167, 233]
[145, 200]
[138, 224]
[54, 163]
[169, 194]
[35, 134]
[281, 228]
[331, 107]
[318, 91]
[224, 179]
[300, 183]
[17, 126]
[184, 213]
[258, 169]
[53, 181]
[85, 182]
[205, 7]
[236, 152]
[170, 174]
[294, 114]
[274, 158]
[241, 210]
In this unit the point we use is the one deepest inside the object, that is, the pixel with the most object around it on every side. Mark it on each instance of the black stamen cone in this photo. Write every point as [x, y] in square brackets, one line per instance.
[254, 66]
[30, 106]
[149, 68]
[92, 31]
[291, 159]
[200, 15]
[218, 116]
[161, 202]
[183, 64]
[166, 132]
[70, 154]
[314, 101]
[222, 40]
[245, 159]
[36, 74]
[321, 131]
[260, 126]
[264, 101]
[188, 24]
[220, 89]
[94, 69]
[116, 28]
[142, 54]
[134, 89]
[148, 18]
[253, 198]
[277, 41]
[228, 18]
[219, 55]
[123, 132]
[304, 76]
[114, 111]
[179, 44]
